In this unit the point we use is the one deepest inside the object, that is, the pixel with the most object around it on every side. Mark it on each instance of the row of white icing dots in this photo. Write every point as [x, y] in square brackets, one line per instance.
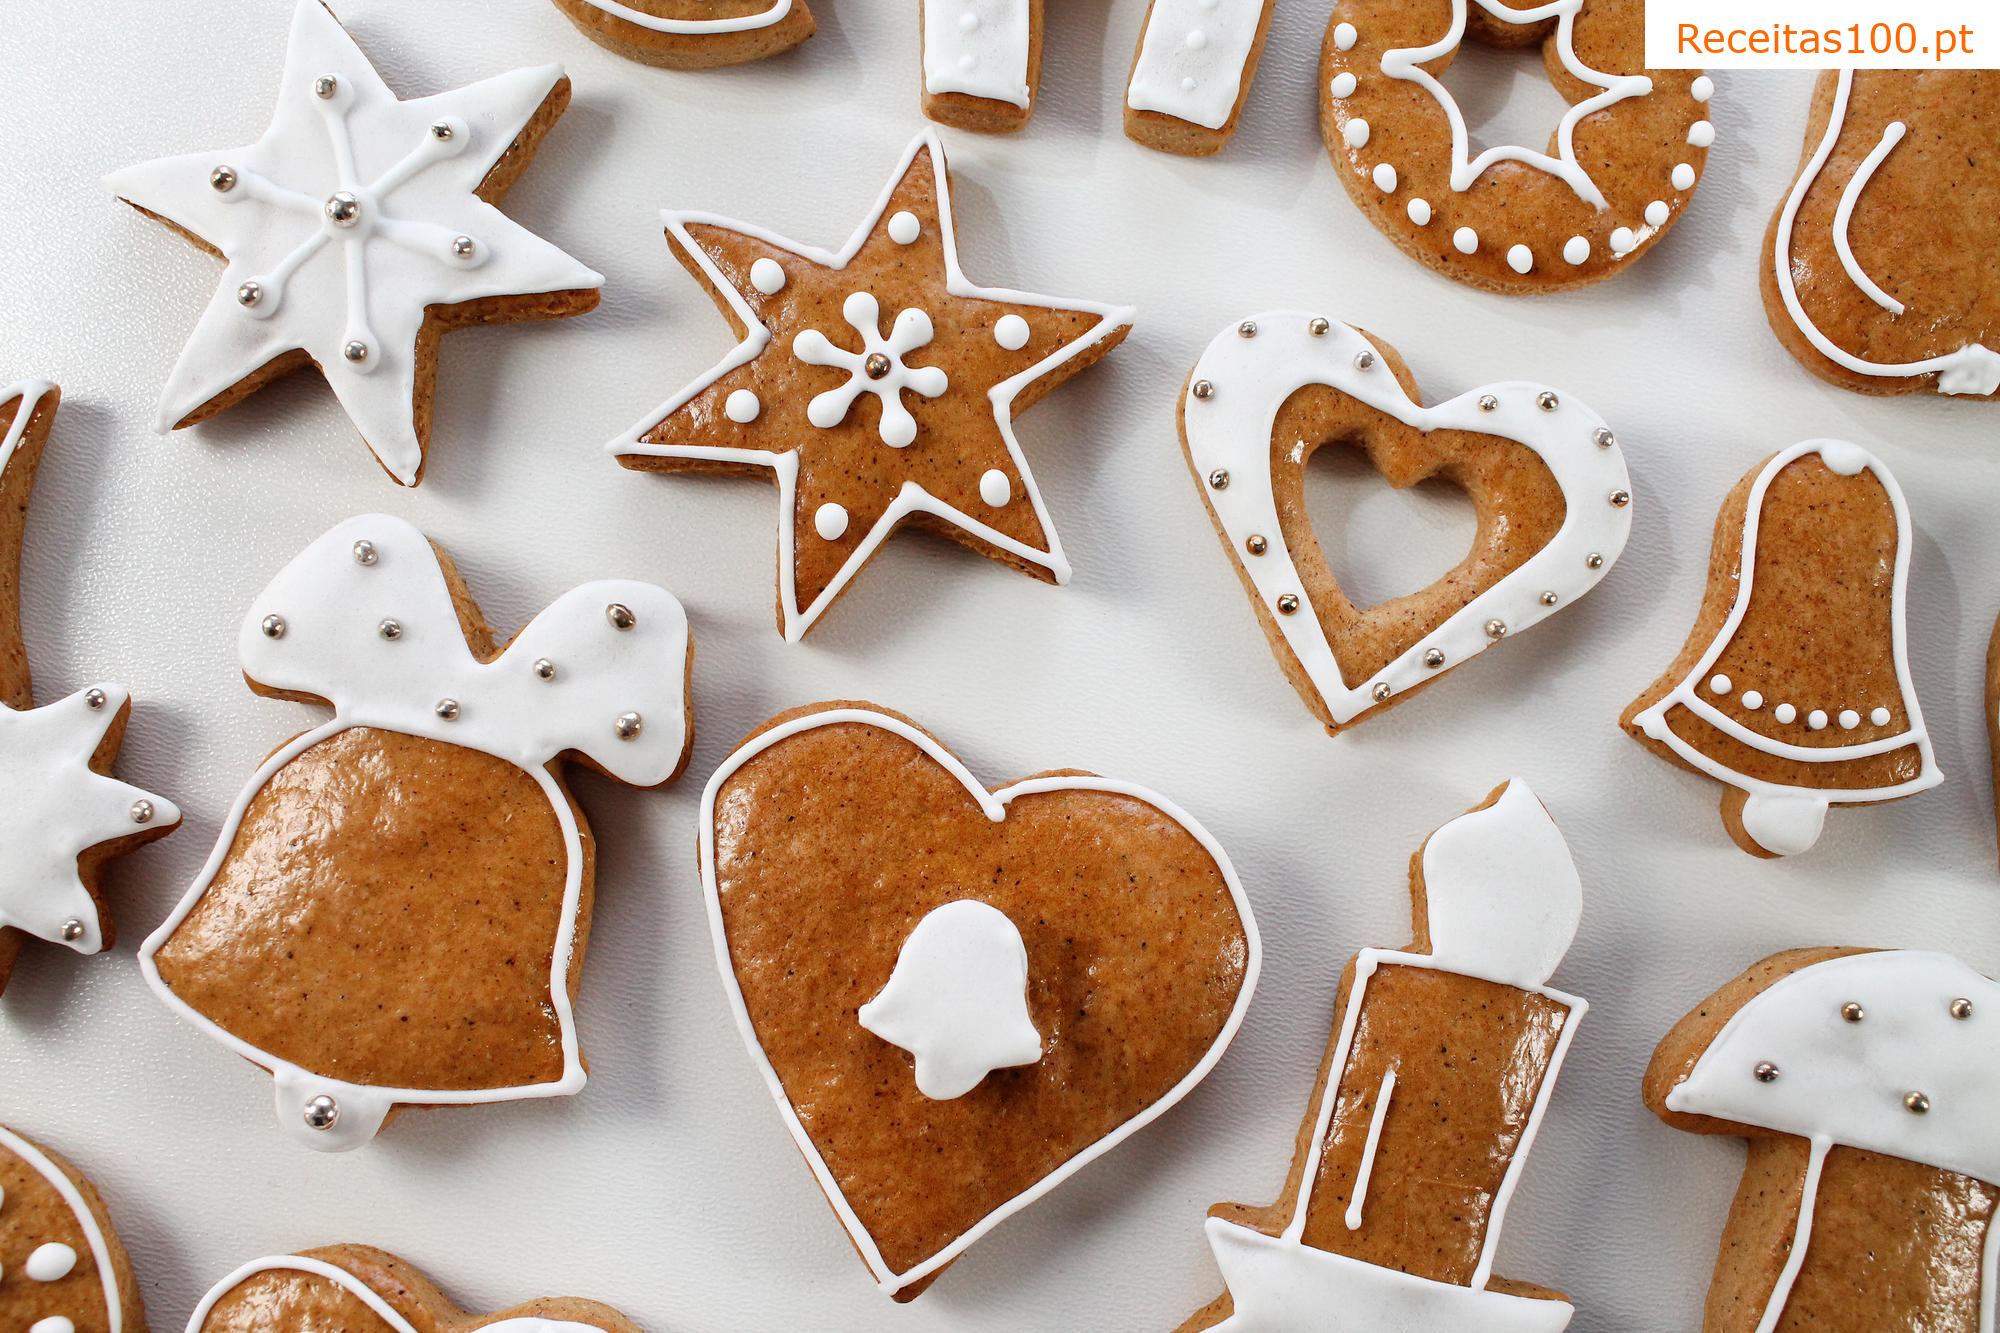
[1786, 713]
[1577, 250]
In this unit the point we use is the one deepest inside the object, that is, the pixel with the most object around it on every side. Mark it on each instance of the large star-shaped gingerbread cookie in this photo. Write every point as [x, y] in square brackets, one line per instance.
[876, 384]
[356, 230]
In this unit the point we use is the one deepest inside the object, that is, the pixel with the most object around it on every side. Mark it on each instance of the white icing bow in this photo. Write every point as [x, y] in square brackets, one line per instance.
[363, 619]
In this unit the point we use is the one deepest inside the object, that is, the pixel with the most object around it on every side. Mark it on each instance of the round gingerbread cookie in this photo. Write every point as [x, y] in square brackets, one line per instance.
[692, 34]
[1617, 171]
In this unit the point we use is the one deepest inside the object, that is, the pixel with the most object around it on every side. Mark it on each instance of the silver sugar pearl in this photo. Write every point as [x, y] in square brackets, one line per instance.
[96, 698]
[1853, 1012]
[1547, 400]
[1288, 604]
[1363, 359]
[463, 246]
[325, 86]
[1619, 499]
[1603, 437]
[620, 616]
[1219, 479]
[364, 552]
[342, 208]
[1916, 1103]
[1257, 545]
[273, 627]
[1961, 1008]
[628, 726]
[390, 628]
[250, 293]
[544, 669]
[1247, 329]
[1382, 692]
[1549, 599]
[142, 812]
[1765, 1072]
[355, 351]
[223, 179]
[441, 130]
[1496, 628]
[1488, 403]
[1434, 658]
[1318, 326]
[1203, 390]
[447, 709]
[1594, 560]
[877, 366]
[72, 930]
[322, 1113]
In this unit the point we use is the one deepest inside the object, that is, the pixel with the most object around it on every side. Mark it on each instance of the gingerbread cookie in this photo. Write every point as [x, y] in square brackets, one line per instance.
[1881, 258]
[1864, 1083]
[356, 232]
[360, 1289]
[1543, 471]
[396, 910]
[956, 996]
[692, 34]
[64, 816]
[1618, 171]
[1429, 1098]
[1793, 689]
[1191, 70]
[62, 1269]
[864, 431]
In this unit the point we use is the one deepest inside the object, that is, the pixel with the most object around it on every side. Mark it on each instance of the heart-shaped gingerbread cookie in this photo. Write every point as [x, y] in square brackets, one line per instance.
[959, 996]
[359, 1289]
[1544, 473]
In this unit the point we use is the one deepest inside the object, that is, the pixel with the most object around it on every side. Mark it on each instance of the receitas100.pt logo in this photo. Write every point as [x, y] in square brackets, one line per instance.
[1817, 34]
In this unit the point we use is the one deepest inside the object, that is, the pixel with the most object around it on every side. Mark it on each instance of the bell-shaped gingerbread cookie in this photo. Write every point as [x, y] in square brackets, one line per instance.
[396, 910]
[359, 1289]
[1865, 1083]
[1443, 1060]
[62, 1268]
[1793, 689]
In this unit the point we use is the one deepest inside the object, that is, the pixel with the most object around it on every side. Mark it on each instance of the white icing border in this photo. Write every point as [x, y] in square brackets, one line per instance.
[994, 805]
[1848, 460]
[93, 1232]
[1973, 369]
[366, 1294]
[912, 499]
[694, 27]
[30, 392]
[1251, 378]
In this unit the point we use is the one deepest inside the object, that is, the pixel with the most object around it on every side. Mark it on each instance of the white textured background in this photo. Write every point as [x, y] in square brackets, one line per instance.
[669, 1187]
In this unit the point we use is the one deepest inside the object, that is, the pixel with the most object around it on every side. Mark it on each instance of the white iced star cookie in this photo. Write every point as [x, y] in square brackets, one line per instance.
[357, 230]
[958, 999]
[62, 816]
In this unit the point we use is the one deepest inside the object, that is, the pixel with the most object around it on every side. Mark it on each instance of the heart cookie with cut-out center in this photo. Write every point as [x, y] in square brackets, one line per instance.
[871, 903]
[1545, 475]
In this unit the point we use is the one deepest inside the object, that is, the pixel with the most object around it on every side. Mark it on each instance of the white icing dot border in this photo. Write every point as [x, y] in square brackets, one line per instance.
[1251, 378]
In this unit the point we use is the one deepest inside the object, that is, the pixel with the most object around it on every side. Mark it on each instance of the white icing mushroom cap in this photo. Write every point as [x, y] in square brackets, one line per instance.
[1848, 1080]
[1503, 894]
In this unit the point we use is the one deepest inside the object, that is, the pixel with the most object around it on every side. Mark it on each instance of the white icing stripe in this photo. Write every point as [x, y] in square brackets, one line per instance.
[1806, 805]
[695, 27]
[1407, 63]
[1230, 431]
[367, 1295]
[86, 1220]
[994, 804]
[1781, 1294]
[1367, 1170]
[31, 393]
[1972, 369]
[913, 498]
[330, 646]
[1844, 214]
[1192, 57]
[1989, 1276]
[979, 48]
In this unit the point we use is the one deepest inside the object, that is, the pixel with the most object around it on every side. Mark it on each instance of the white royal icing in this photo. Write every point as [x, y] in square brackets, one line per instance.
[1973, 369]
[994, 804]
[1280, 1283]
[332, 648]
[979, 48]
[1196, 82]
[86, 1222]
[58, 807]
[361, 1291]
[1843, 1083]
[50, 1262]
[1231, 431]
[913, 498]
[1781, 818]
[762, 18]
[911, 330]
[321, 286]
[957, 1000]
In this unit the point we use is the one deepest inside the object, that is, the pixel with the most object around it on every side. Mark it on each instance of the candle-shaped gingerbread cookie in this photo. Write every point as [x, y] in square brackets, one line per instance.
[1443, 1059]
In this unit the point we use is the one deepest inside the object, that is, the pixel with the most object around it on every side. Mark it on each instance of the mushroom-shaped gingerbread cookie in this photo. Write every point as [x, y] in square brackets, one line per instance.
[959, 996]
[1865, 1082]
[63, 816]
[692, 34]
[62, 1269]
[396, 910]
[359, 1289]
[1443, 1060]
